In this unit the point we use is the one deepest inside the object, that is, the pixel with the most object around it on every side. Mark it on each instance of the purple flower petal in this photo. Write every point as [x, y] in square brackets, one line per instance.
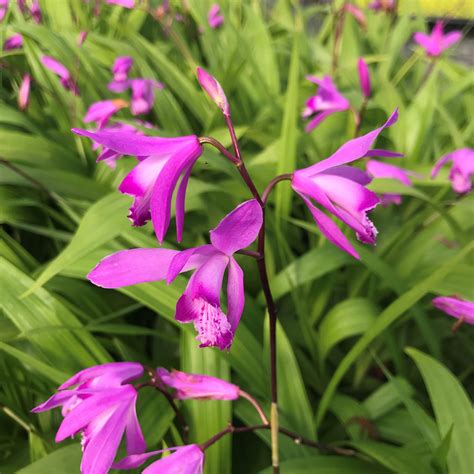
[56, 67]
[456, 307]
[122, 3]
[239, 228]
[24, 92]
[214, 17]
[162, 194]
[185, 460]
[14, 42]
[235, 294]
[130, 267]
[214, 90]
[198, 386]
[116, 374]
[329, 229]
[351, 150]
[364, 77]
[102, 439]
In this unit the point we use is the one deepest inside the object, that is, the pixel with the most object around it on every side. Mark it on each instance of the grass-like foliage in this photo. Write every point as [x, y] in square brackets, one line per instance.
[365, 362]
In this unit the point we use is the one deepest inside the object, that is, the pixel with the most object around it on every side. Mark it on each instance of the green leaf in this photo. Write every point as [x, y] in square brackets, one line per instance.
[327, 465]
[384, 320]
[452, 408]
[348, 318]
[102, 222]
[62, 461]
[289, 131]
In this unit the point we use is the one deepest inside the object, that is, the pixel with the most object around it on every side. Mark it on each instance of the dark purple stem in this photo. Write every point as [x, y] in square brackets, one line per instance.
[294, 436]
[154, 383]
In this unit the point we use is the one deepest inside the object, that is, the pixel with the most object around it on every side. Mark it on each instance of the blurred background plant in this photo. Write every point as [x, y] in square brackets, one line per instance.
[365, 361]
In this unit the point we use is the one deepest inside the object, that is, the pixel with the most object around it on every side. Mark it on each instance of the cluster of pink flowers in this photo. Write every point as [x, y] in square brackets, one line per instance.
[99, 403]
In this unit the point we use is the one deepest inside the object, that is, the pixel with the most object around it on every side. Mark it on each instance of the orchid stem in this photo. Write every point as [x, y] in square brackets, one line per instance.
[429, 70]
[294, 436]
[179, 416]
[255, 405]
[262, 269]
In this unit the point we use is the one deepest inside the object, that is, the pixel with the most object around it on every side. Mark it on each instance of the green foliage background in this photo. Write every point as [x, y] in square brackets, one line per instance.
[364, 360]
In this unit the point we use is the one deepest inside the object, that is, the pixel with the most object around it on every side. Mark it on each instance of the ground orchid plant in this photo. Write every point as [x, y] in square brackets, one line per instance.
[238, 271]
[102, 404]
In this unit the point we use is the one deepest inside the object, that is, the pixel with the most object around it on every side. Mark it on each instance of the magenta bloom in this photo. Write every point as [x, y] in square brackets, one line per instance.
[102, 408]
[357, 13]
[61, 71]
[364, 78]
[185, 460]
[383, 5]
[3, 9]
[198, 386]
[214, 17]
[143, 95]
[340, 190]
[435, 43]
[214, 90]
[461, 170]
[200, 302]
[377, 169]
[14, 42]
[108, 156]
[101, 111]
[163, 161]
[120, 69]
[456, 307]
[24, 92]
[35, 11]
[326, 102]
[122, 3]
[82, 37]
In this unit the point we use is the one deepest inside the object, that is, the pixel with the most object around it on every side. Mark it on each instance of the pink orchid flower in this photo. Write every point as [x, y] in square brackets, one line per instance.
[198, 386]
[35, 11]
[143, 95]
[364, 78]
[120, 69]
[61, 71]
[436, 42]
[326, 102]
[3, 9]
[122, 3]
[456, 307]
[461, 170]
[24, 92]
[378, 169]
[102, 111]
[81, 38]
[14, 42]
[356, 13]
[163, 161]
[383, 5]
[200, 302]
[102, 408]
[214, 90]
[340, 189]
[214, 17]
[185, 460]
[108, 156]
